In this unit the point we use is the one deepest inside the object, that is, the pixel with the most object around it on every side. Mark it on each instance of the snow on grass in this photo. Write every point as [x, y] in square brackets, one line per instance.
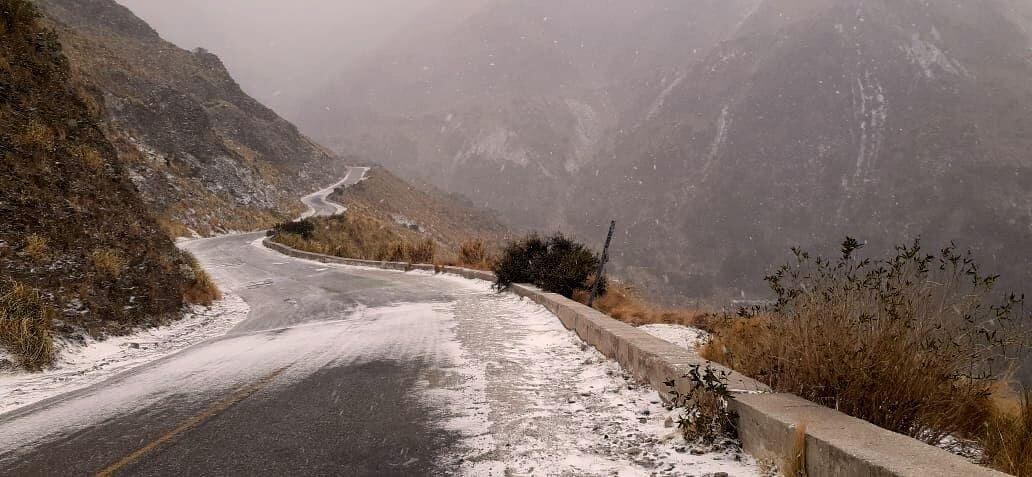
[683, 336]
[529, 397]
[82, 363]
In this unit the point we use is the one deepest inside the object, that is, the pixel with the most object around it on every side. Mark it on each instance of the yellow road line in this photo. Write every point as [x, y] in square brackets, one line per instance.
[193, 422]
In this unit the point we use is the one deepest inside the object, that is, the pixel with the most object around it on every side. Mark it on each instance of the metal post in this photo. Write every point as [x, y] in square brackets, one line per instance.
[599, 274]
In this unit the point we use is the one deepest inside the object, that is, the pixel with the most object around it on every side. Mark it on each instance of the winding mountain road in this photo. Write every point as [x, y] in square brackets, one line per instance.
[317, 202]
[349, 371]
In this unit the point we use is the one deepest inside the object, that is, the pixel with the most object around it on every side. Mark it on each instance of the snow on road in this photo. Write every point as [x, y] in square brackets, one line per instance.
[82, 363]
[530, 398]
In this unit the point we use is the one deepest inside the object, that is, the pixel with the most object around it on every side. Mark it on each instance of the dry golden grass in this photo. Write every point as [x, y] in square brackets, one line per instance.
[173, 228]
[356, 235]
[202, 290]
[108, 262]
[89, 157]
[37, 247]
[26, 325]
[38, 135]
[878, 378]
[899, 343]
[422, 251]
[1007, 440]
[472, 251]
[622, 302]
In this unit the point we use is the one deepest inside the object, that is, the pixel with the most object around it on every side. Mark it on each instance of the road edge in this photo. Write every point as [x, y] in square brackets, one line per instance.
[836, 444]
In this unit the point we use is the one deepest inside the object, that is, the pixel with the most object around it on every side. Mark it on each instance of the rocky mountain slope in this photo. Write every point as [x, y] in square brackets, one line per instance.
[204, 155]
[74, 227]
[717, 134]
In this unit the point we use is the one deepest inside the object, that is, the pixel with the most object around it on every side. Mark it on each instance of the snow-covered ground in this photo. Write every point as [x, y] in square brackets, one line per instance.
[684, 336]
[530, 398]
[82, 363]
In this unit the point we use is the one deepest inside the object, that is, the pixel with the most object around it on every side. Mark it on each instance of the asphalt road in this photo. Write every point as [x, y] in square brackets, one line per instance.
[312, 382]
[318, 204]
[350, 371]
[315, 381]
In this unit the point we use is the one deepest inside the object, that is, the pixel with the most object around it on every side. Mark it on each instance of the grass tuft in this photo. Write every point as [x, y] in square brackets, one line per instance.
[473, 253]
[38, 135]
[201, 290]
[108, 262]
[421, 252]
[1007, 441]
[36, 247]
[89, 156]
[26, 325]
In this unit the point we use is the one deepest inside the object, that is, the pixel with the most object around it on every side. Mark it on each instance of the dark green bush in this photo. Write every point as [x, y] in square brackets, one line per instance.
[556, 264]
[302, 227]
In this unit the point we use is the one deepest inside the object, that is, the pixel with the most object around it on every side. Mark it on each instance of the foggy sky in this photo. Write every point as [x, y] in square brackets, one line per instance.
[307, 41]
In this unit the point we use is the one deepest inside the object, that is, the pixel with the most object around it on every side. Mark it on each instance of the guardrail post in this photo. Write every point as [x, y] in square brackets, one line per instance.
[599, 274]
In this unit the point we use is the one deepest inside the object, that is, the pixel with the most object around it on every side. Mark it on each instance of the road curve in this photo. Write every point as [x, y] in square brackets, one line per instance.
[317, 202]
[349, 371]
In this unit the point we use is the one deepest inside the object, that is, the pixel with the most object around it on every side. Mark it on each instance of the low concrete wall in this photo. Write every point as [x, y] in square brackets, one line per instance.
[836, 444]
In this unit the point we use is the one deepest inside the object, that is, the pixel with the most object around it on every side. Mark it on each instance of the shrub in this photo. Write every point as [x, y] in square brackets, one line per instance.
[556, 264]
[1007, 439]
[707, 416]
[909, 343]
[421, 252]
[26, 325]
[302, 228]
[36, 246]
[108, 262]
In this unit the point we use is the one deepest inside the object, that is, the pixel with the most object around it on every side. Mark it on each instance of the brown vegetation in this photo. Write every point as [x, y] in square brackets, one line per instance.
[201, 290]
[26, 323]
[623, 302]
[108, 262]
[911, 343]
[449, 220]
[36, 247]
[357, 235]
[1007, 439]
[73, 221]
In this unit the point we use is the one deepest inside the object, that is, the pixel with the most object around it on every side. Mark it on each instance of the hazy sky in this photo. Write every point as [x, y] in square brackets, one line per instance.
[280, 50]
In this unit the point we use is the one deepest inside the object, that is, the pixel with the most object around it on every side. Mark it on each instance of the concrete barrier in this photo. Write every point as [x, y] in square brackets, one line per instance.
[836, 444]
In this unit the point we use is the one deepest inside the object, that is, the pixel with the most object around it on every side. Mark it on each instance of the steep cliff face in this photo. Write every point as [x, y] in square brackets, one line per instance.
[202, 152]
[73, 225]
[718, 134]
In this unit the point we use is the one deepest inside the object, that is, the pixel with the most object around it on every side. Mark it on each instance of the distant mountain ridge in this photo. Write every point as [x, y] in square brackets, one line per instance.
[717, 134]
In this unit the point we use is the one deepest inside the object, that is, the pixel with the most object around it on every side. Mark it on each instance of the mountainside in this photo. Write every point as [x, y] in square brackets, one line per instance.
[74, 226]
[202, 153]
[717, 134]
[446, 219]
